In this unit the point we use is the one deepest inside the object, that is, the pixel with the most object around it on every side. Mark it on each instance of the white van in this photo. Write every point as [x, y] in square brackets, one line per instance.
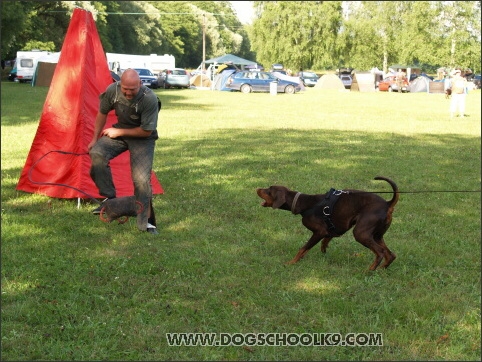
[26, 63]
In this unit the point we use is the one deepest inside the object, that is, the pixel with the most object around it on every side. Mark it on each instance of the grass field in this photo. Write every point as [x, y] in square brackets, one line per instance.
[75, 288]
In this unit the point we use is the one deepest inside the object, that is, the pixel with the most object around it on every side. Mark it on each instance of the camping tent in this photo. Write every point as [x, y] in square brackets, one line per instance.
[363, 82]
[230, 59]
[200, 81]
[419, 84]
[219, 82]
[329, 81]
[57, 164]
[216, 63]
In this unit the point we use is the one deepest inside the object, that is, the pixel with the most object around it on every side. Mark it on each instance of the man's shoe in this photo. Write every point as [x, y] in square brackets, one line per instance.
[151, 229]
[96, 211]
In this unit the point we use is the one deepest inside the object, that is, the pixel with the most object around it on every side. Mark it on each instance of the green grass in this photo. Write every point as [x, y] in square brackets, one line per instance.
[75, 288]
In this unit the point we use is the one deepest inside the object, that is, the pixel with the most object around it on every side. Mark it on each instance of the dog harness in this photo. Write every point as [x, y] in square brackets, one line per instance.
[324, 209]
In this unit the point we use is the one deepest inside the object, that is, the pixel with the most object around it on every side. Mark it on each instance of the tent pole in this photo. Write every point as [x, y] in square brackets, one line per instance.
[204, 42]
[78, 202]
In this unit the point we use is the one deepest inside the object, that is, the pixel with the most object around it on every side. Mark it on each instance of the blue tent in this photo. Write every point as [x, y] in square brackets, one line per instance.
[219, 82]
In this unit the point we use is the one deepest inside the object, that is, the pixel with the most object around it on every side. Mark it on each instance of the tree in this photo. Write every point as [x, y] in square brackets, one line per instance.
[372, 28]
[428, 33]
[14, 16]
[133, 27]
[299, 34]
[417, 44]
[22, 21]
[458, 31]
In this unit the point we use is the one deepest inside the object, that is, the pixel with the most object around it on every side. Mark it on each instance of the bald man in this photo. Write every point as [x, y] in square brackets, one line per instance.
[137, 109]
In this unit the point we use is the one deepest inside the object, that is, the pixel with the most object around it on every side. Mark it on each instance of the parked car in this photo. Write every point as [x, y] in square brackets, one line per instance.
[177, 77]
[345, 76]
[12, 76]
[247, 82]
[147, 77]
[389, 84]
[277, 67]
[476, 81]
[309, 79]
[347, 80]
[115, 76]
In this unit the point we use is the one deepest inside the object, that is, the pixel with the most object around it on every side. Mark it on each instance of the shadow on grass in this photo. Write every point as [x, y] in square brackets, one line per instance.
[212, 180]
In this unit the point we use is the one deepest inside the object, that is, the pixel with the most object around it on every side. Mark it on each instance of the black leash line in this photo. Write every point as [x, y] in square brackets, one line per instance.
[59, 184]
[95, 200]
[414, 192]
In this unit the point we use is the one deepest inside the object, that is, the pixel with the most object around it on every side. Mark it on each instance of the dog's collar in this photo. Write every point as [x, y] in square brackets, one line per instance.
[294, 202]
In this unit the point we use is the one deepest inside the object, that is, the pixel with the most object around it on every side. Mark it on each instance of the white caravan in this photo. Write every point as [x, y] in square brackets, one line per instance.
[26, 63]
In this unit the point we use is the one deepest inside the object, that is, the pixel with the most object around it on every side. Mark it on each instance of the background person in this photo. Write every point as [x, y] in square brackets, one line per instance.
[458, 85]
[400, 78]
[137, 109]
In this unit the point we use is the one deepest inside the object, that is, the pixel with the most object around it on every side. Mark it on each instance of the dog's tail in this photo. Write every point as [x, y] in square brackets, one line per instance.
[396, 194]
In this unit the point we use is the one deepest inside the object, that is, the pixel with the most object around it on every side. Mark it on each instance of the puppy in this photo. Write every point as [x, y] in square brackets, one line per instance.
[120, 209]
[448, 93]
[334, 213]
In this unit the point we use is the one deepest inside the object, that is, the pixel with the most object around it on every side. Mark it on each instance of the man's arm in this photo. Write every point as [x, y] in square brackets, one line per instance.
[112, 132]
[130, 132]
[100, 120]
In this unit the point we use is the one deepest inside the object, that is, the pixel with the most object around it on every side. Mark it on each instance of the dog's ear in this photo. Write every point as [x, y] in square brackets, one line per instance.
[279, 197]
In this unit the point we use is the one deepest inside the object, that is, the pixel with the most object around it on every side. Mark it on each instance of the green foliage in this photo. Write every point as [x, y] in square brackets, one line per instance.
[132, 27]
[413, 32]
[313, 34]
[13, 16]
[31, 45]
[318, 35]
[299, 34]
[139, 28]
[459, 26]
[74, 288]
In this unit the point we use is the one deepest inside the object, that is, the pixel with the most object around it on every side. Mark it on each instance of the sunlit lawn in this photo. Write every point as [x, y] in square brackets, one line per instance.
[75, 288]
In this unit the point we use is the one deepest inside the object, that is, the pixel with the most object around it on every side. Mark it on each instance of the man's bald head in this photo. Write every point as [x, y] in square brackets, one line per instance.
[130, 83]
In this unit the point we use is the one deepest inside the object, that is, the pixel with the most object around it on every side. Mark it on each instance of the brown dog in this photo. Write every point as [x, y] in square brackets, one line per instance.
[120, 209]
[448, 93]
[334, 213]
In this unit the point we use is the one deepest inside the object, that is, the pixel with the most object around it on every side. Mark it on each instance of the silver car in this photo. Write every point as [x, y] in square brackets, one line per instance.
[347, 80]
[309, 79]
[174, 78]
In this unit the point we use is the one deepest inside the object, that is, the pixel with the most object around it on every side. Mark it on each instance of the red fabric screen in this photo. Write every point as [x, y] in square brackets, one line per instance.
[67, 120]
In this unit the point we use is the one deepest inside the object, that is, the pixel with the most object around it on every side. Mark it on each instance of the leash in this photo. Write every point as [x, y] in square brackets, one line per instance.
[412, 192]
[59, 184]
[292, 207]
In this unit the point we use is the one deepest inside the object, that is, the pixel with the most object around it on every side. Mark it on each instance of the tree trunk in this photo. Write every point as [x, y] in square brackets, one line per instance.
[452, 53]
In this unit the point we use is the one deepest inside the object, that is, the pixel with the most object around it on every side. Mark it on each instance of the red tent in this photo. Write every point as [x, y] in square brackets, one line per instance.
[67, 121]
